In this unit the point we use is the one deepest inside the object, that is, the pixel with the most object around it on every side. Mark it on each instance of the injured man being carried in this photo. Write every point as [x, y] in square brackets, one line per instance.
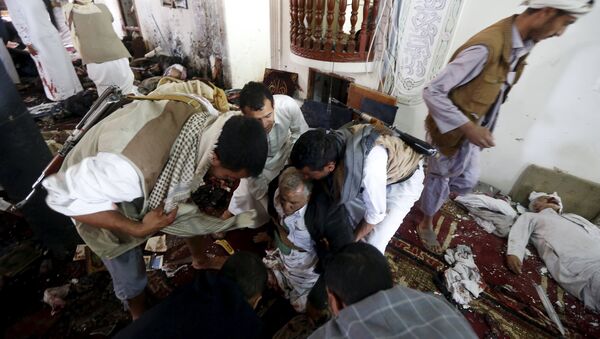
[568, 243]
[292, 262]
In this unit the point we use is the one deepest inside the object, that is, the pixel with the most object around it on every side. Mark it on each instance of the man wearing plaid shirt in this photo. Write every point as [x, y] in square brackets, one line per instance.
[365, 304]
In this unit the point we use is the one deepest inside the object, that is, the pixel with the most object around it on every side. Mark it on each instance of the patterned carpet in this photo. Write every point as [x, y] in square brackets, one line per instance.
[510, 306]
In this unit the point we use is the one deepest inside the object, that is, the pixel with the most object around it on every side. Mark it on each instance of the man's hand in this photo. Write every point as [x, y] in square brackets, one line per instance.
[514, 263]
[226, 215]
[32, 50]
[12, 44]
[478, 135]
[362, 230]
[155, 220]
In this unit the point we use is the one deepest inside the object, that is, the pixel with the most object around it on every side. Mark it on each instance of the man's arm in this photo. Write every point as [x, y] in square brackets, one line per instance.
[297, 123]
[88, 191]
[115, 221]
[518, 239]
[374, 191]
[464, 68]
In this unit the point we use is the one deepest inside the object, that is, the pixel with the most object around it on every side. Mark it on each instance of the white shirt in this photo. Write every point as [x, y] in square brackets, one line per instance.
[374, 185]
[289, 125]
[297, 232]
[93, 185]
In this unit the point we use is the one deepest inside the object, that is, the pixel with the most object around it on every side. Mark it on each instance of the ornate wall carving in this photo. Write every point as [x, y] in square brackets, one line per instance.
[425, 30]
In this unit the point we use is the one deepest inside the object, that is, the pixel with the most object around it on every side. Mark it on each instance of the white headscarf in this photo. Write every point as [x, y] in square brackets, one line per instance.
[575, 7]
[534, 195]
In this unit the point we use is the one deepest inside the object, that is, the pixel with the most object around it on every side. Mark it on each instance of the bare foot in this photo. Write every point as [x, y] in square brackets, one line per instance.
[428, 238]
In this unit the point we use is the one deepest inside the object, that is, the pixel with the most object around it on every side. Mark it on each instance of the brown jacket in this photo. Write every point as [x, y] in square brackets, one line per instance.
[479, 95]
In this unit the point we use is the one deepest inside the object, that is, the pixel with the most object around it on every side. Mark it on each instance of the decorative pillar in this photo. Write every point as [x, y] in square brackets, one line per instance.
[425, 31]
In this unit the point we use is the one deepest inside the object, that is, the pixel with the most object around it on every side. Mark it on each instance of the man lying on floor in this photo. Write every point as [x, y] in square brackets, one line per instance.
[367, 305]
[216, 305]
[568, 243]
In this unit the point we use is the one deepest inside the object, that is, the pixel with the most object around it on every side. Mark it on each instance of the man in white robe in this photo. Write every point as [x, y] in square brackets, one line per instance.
[32, 21]
[568, 244]
[292, 262]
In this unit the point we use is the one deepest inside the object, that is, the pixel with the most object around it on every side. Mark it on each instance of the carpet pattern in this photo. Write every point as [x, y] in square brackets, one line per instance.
[510, 306]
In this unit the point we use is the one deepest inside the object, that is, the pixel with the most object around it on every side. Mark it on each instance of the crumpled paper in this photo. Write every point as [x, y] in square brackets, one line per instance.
[463, 279]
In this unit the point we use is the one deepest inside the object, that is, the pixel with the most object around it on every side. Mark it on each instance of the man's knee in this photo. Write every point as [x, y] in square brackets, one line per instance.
[128, 274]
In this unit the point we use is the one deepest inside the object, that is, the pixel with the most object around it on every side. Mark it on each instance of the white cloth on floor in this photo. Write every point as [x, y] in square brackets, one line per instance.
[115, 72]
[568, 244]
[493, 215]
[463, 279]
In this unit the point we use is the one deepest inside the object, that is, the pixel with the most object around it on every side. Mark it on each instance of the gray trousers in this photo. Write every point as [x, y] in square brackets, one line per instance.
[458, 173]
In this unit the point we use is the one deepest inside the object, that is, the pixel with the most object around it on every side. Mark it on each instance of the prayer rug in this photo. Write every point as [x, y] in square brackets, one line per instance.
[509, 306]
[281, 82]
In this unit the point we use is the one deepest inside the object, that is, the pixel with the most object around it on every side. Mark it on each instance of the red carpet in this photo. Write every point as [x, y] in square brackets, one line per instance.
[510, 306]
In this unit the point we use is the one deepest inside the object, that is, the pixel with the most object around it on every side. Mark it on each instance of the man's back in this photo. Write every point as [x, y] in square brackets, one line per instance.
[211, 307]
[397, 312]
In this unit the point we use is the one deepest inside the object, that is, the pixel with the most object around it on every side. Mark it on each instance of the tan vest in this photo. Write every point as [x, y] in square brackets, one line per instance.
[97, 41]
[145, 139]
[481, 93]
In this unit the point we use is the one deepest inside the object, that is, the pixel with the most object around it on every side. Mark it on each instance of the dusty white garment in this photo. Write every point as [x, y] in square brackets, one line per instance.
[52, 61]
[289, 125]
[294, 271]
[493, 215]
[463, 279]
[115, 72]
[570, 250]
[9, 66]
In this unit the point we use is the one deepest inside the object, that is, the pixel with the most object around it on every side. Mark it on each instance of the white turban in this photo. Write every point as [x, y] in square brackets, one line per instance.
[534, 195]
[574, 7]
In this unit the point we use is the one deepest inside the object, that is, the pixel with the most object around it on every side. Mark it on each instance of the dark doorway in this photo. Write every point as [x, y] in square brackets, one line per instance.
[321, 85]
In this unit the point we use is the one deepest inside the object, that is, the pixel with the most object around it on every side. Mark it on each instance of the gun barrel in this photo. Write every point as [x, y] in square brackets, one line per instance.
[417, 144]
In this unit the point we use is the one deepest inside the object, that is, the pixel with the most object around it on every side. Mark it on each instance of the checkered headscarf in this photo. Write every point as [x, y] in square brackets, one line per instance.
[176, 179]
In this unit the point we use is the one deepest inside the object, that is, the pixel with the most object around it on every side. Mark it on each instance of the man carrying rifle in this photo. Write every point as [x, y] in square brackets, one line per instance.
[115, 181]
